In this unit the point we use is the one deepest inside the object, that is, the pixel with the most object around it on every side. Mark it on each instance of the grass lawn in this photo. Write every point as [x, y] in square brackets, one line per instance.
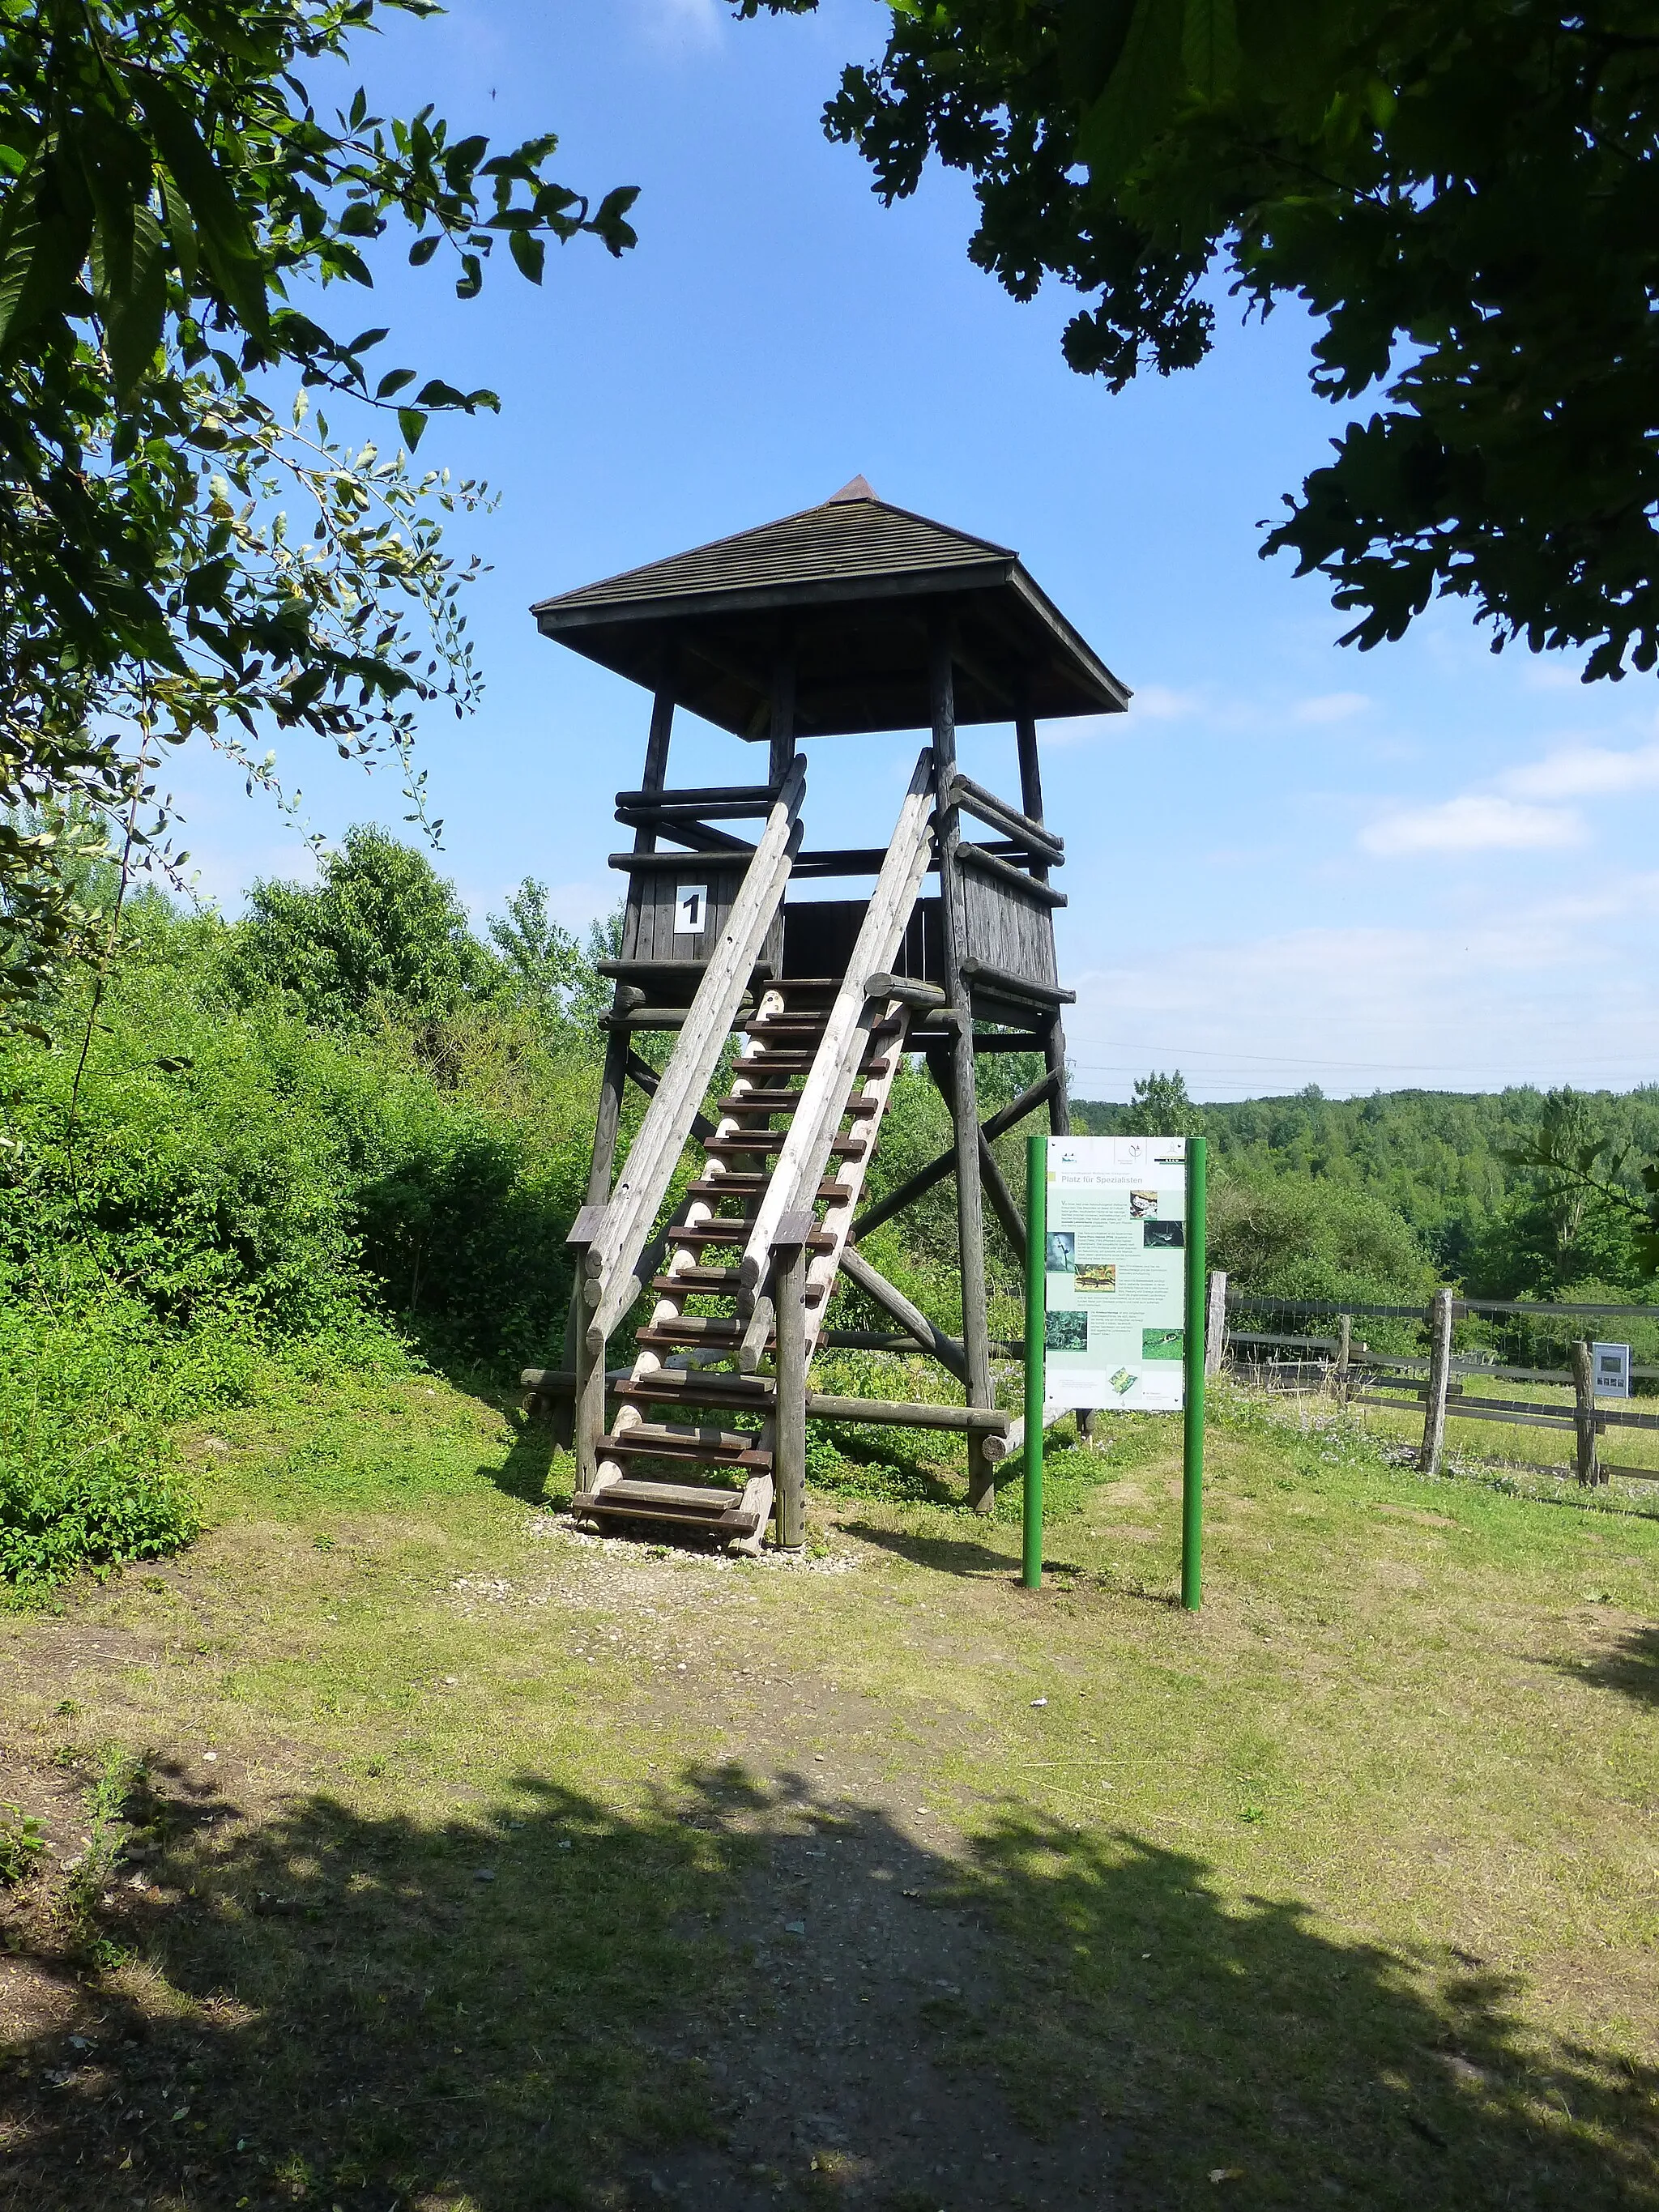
[469, 1862]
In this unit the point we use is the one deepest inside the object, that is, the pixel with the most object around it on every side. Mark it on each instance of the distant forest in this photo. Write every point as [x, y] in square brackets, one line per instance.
[1435, 1159]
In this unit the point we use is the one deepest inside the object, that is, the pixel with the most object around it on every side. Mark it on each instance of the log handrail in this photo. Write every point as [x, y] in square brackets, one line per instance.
[649, 1168]
[985, 806]
[835, 1063]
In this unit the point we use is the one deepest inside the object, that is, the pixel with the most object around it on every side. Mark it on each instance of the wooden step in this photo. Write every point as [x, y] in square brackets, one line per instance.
[747, 1186]
[772, 1140]
[660, 1501]
[779, 1102]
[713, 1330]
[708, 1446]
[733, 1229]
[683, 1385]
[719, 1281]
[760, 1102]
[799, 1063]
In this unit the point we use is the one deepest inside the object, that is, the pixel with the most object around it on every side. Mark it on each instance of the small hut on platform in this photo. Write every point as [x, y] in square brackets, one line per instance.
[853, 616]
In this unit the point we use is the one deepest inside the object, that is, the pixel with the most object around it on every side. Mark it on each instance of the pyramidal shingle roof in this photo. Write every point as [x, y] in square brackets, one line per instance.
[851, 593]
[853, 537]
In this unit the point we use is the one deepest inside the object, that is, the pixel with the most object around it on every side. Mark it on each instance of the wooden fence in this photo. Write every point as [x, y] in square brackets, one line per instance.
[1339, 1361]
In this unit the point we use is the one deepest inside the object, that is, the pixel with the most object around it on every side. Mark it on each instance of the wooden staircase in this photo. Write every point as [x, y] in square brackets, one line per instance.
[692, 1441]
[690, 1362]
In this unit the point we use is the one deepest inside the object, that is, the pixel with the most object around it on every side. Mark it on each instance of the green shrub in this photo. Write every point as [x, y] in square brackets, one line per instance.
[1301, 1237]
[222, 1158]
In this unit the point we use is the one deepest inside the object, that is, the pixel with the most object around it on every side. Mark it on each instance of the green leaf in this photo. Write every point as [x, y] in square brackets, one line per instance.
[1209, 46]
[134, 318]
[411, 423]
[361, 221]
[393, 382]
[423, 249]
[1140, 96]
[226, 241]
[529, 252]
[181, 231]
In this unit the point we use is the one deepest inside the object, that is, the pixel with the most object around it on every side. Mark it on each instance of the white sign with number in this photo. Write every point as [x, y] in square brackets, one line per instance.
[690, 909]
[1610, 1369]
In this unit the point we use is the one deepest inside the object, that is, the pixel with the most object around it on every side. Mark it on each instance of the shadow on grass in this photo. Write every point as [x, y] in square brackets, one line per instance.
[1631, 1666]
[525, 1472]
[746, 1994]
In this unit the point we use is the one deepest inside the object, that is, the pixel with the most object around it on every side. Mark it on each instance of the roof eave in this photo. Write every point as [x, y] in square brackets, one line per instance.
[553, 617]
[1074, 641]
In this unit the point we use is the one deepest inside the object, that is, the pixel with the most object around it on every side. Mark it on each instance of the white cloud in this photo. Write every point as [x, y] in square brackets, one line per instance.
[1586, 772]
[1157, 702]
[698, 19]
[1331, 706]
[1544, 999]
[1476, 822]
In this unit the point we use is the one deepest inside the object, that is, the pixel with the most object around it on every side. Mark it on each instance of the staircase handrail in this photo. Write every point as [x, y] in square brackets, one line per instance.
[835, 1064]
[633, 1205]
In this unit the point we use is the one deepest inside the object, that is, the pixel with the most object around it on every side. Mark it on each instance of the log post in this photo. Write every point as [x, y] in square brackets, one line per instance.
[1054, 1033]
[1583, 1415]
[964, 1092]
[1344, 1355]
[587, 1399]
[789, 1419]
[783, 717]
[1215, 1322]
[618, 1049]
[1434, 1417]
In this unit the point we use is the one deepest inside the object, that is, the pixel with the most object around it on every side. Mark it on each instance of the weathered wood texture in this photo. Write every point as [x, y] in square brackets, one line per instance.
[1434, 1415]
[895, 1413]
[818, 938]
[846, 1038]
[789, 1420]
[1584, 1393]
[963, 1097]
[1215, 1322]
[656, 1148]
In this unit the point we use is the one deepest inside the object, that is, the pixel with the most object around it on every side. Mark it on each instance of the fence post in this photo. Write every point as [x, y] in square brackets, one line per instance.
[1434, 1417]
[1215, 1322]
[789, 1411]
[1583, 1413]
[1344, 1353]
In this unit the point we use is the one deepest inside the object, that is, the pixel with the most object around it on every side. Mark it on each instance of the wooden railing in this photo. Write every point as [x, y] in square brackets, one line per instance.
[615, 1233]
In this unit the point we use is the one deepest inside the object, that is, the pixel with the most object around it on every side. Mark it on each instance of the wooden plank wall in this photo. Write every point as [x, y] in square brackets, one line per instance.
[1008, 928]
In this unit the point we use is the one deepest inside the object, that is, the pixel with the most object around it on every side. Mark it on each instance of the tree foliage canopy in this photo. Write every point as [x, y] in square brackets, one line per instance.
[175, 558]
[1467, 197]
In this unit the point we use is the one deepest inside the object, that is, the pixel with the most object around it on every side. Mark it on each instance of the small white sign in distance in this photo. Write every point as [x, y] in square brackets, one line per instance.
[1610, 1369]
[690, 909]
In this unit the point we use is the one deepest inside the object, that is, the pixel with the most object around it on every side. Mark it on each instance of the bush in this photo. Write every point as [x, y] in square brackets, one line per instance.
[223, 1162]
[1302, 1238]
[88, 1475]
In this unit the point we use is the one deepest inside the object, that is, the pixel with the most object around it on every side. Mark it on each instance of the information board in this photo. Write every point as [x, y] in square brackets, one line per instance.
[1115, 1271]
[1610, 1369]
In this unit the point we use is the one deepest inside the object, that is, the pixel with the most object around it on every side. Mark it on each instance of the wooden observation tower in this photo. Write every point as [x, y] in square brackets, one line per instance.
[853, 616]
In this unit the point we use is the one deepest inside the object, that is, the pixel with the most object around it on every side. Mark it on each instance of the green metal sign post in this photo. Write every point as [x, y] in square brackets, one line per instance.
[1037, 1232]
[1192, 1237]
[1192, 1485]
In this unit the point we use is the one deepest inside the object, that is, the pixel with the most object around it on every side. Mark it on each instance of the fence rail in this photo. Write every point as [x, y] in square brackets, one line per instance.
[1361, 1376]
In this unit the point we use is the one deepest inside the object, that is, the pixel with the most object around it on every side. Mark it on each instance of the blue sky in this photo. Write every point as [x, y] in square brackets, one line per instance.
[1289, 862]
